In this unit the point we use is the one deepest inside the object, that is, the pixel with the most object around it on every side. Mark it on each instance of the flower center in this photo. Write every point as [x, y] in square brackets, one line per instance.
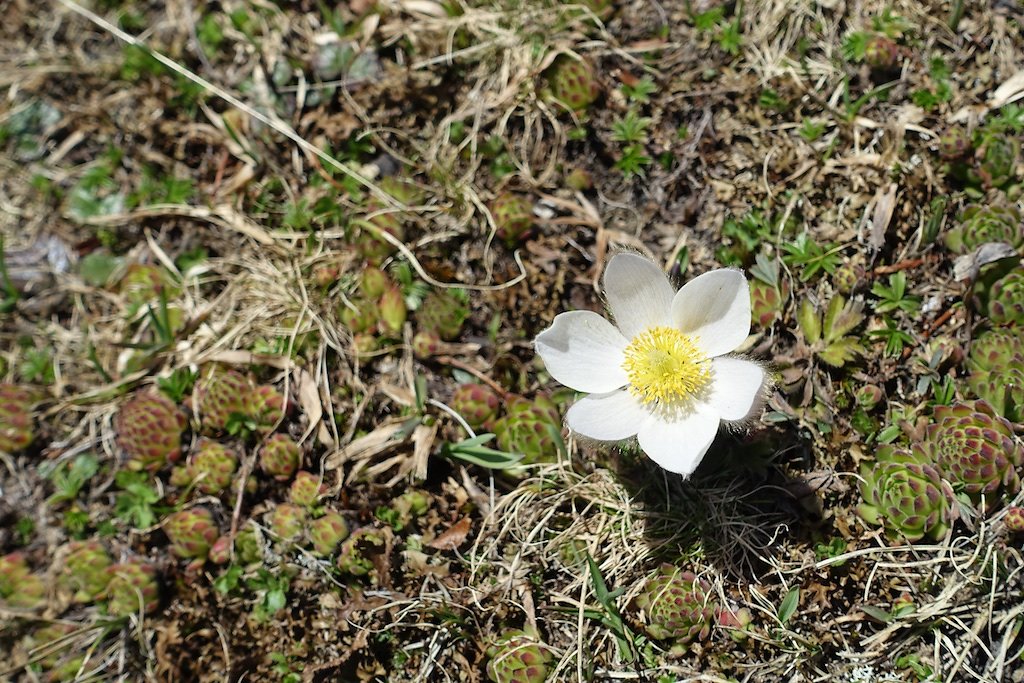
[664, 365]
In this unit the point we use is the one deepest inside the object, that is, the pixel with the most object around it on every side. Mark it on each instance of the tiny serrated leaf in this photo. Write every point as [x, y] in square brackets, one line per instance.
[841, 317]
[766, 269]
[841, 351]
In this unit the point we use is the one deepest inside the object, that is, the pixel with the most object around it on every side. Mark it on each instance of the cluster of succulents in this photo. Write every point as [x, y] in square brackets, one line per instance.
[16, 427]
[572, 83]
[983, 223]
[518, 657]
[223, 396]
[967, 449]
[304, 523]
[149, 428]
[996, 365]
[378, 308]
[19, 587]
[677, 606]
[530, 427]
[220, 395]
[513, 217]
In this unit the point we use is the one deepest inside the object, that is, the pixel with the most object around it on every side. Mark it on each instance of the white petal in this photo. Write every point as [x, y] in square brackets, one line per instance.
[638, 293]
[715, 307]
[737, 388]
[679, 445]
[607, 417]
[583, 351]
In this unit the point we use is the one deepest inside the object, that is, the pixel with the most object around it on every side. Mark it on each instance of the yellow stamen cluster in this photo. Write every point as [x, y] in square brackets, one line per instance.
[665, 366]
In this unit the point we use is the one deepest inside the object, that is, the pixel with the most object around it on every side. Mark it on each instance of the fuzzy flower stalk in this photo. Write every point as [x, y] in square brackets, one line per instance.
[661, 372]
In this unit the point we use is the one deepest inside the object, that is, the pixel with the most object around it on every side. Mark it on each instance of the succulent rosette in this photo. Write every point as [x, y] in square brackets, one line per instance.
[442, 313]
[219, 395]
[1014, 520]
[529, 427]
[305, 490]
[287, 521]
[513, 217]
[279, 457]
[662, 372]
[766, 302]
[518, 657]
[267, 406]
[982, 223]
[132, 588]
[572, 82]
[19, 587]
[906, 495]
[996, 365]
[191, 532]
[1006, 299]
[974, 449]
[149, 428]
[212, 466]
[998, 154]
[16, 430]
[327, 532]
[678, 607]
[476, 403]
[84, 573]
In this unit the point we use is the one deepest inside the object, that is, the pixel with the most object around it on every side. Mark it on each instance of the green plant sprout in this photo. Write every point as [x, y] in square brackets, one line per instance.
[640, 91]
[895, 338]
[631, 128]
[893, 297]
[811, 256]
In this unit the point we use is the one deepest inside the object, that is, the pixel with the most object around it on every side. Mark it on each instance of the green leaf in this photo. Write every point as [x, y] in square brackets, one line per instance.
[96, 268]
[876, 613]
[473, 451]
[275, 600]
[228, 581]
[809, 321]
[789, 604]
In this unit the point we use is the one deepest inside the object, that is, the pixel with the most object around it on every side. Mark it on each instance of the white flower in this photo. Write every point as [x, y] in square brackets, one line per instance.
[659, 373]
